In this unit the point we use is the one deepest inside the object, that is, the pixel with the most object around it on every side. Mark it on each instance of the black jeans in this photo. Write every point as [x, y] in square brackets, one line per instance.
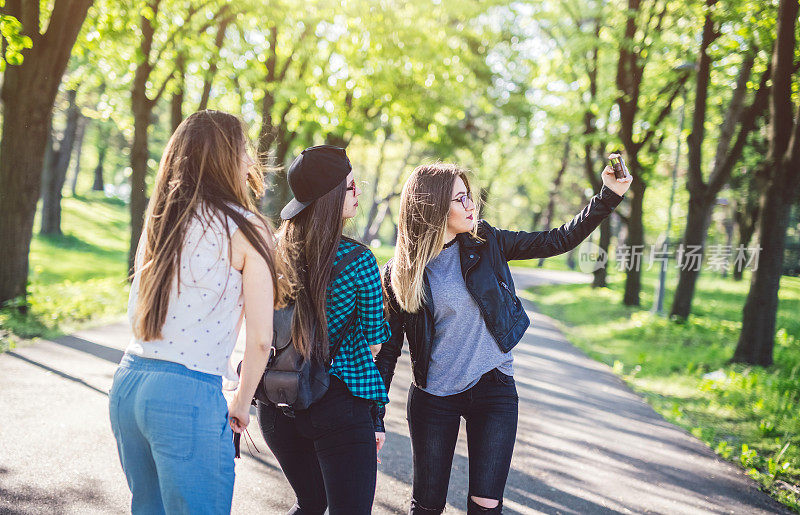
[491, 411]
[327, 452]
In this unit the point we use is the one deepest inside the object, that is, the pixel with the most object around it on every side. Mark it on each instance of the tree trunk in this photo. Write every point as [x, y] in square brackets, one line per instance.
[82, 123]
[535, 217]
[746, 230]
[600, 279]
[697, 222]
[551, 204]
[703, 196]
[757, 338]
[28, 93]
[600, 275]
[282, 192]
[176, 103]
[571, 263]
[142, 111]
[54, 176]
[374, 222]
[219, 40]
[749, 186]
[26, 122]
[374, 229]
[630, 71]
[374, 200]
[635, 237]
[99, 184]
[103, 134]
[142, 107]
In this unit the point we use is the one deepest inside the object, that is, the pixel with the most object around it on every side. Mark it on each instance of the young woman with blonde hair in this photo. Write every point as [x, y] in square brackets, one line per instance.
[204, 260]
[451, 295]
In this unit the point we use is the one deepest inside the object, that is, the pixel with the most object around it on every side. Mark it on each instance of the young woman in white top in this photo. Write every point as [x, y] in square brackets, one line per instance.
[203, 262]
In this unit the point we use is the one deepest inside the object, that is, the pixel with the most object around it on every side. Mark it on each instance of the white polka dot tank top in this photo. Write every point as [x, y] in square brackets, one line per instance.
[205, 312]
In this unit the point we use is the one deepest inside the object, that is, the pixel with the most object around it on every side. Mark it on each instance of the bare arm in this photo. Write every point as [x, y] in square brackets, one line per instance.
[257, 289]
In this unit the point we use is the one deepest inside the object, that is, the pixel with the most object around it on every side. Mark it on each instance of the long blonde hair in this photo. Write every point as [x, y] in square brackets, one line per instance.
[200, 173]
[424, 208]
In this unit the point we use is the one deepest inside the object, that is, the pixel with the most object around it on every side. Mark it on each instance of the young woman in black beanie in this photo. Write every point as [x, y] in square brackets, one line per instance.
[328, 451]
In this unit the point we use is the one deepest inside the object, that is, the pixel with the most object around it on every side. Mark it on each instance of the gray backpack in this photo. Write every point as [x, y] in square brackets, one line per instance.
[290, 382]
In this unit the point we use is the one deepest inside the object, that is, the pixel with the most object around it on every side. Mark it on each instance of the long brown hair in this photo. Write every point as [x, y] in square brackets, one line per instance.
[424, 207]
[307, 245]
[200, 174]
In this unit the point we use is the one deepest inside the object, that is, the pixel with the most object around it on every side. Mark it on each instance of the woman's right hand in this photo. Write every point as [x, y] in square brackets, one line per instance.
[238, 414]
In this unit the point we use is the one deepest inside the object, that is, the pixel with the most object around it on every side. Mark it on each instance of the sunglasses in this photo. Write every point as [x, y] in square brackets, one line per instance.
[352, 187]
[465, 199]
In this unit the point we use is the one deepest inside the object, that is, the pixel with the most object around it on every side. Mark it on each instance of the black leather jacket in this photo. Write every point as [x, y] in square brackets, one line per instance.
[488, 279]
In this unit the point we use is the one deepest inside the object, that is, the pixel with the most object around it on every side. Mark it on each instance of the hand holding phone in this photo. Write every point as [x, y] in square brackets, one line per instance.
[615, 175]
[618, 165]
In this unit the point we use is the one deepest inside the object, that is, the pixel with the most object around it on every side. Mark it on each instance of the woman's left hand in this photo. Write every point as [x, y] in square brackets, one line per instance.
[618, 186]
[238, 414]
[380, 438]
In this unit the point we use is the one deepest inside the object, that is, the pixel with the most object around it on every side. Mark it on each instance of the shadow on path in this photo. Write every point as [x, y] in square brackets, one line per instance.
[57, 372]
[32, 499]
[95, 349]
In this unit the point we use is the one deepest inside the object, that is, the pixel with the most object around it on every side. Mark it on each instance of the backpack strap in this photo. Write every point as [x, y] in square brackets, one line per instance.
[346, 260]
[337, 269]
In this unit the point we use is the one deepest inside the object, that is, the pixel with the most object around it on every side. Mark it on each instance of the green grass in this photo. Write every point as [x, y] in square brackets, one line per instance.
[94, 244]
[748, 415]
[76, 278]
[553, 263]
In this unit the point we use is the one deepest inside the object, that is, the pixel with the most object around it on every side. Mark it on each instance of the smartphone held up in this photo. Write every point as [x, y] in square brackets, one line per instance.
[618, 165]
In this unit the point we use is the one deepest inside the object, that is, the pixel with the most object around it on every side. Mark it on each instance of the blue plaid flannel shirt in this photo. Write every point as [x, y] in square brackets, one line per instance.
[358, 286]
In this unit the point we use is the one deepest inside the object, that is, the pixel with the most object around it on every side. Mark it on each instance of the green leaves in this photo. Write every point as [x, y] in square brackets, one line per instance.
[16, 42]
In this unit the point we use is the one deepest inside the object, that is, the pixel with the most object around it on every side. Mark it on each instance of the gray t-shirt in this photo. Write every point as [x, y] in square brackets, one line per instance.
[463, 348]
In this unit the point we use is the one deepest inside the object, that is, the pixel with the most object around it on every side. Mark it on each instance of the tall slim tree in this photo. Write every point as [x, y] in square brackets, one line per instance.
[28, 93]
[143, 104]
[702, 194]
[642, 25]
[213, 65]
[54, 173]
[757, 339]
[80, 137]
[103, 135]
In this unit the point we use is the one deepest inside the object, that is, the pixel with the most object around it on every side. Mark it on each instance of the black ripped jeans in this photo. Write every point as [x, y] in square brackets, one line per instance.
[327, 452]
[491, 411]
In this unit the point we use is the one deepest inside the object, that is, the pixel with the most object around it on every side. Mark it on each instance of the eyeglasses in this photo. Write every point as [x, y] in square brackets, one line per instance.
[352, 187]
[465, 199]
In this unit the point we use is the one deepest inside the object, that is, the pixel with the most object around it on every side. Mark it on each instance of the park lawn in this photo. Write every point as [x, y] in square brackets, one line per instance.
[748, 415]
[77, 278]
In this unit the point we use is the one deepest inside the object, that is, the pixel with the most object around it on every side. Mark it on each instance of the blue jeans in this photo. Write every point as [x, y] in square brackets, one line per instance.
[173, 437]
[491, 411]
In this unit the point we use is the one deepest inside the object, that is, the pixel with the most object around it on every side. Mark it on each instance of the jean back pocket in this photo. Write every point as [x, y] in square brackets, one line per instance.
[171, 428]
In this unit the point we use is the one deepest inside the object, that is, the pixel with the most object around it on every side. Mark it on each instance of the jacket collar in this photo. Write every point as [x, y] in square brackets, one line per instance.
[466, 240]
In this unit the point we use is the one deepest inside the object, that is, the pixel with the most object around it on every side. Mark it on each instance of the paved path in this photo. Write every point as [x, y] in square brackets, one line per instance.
[586, 443]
